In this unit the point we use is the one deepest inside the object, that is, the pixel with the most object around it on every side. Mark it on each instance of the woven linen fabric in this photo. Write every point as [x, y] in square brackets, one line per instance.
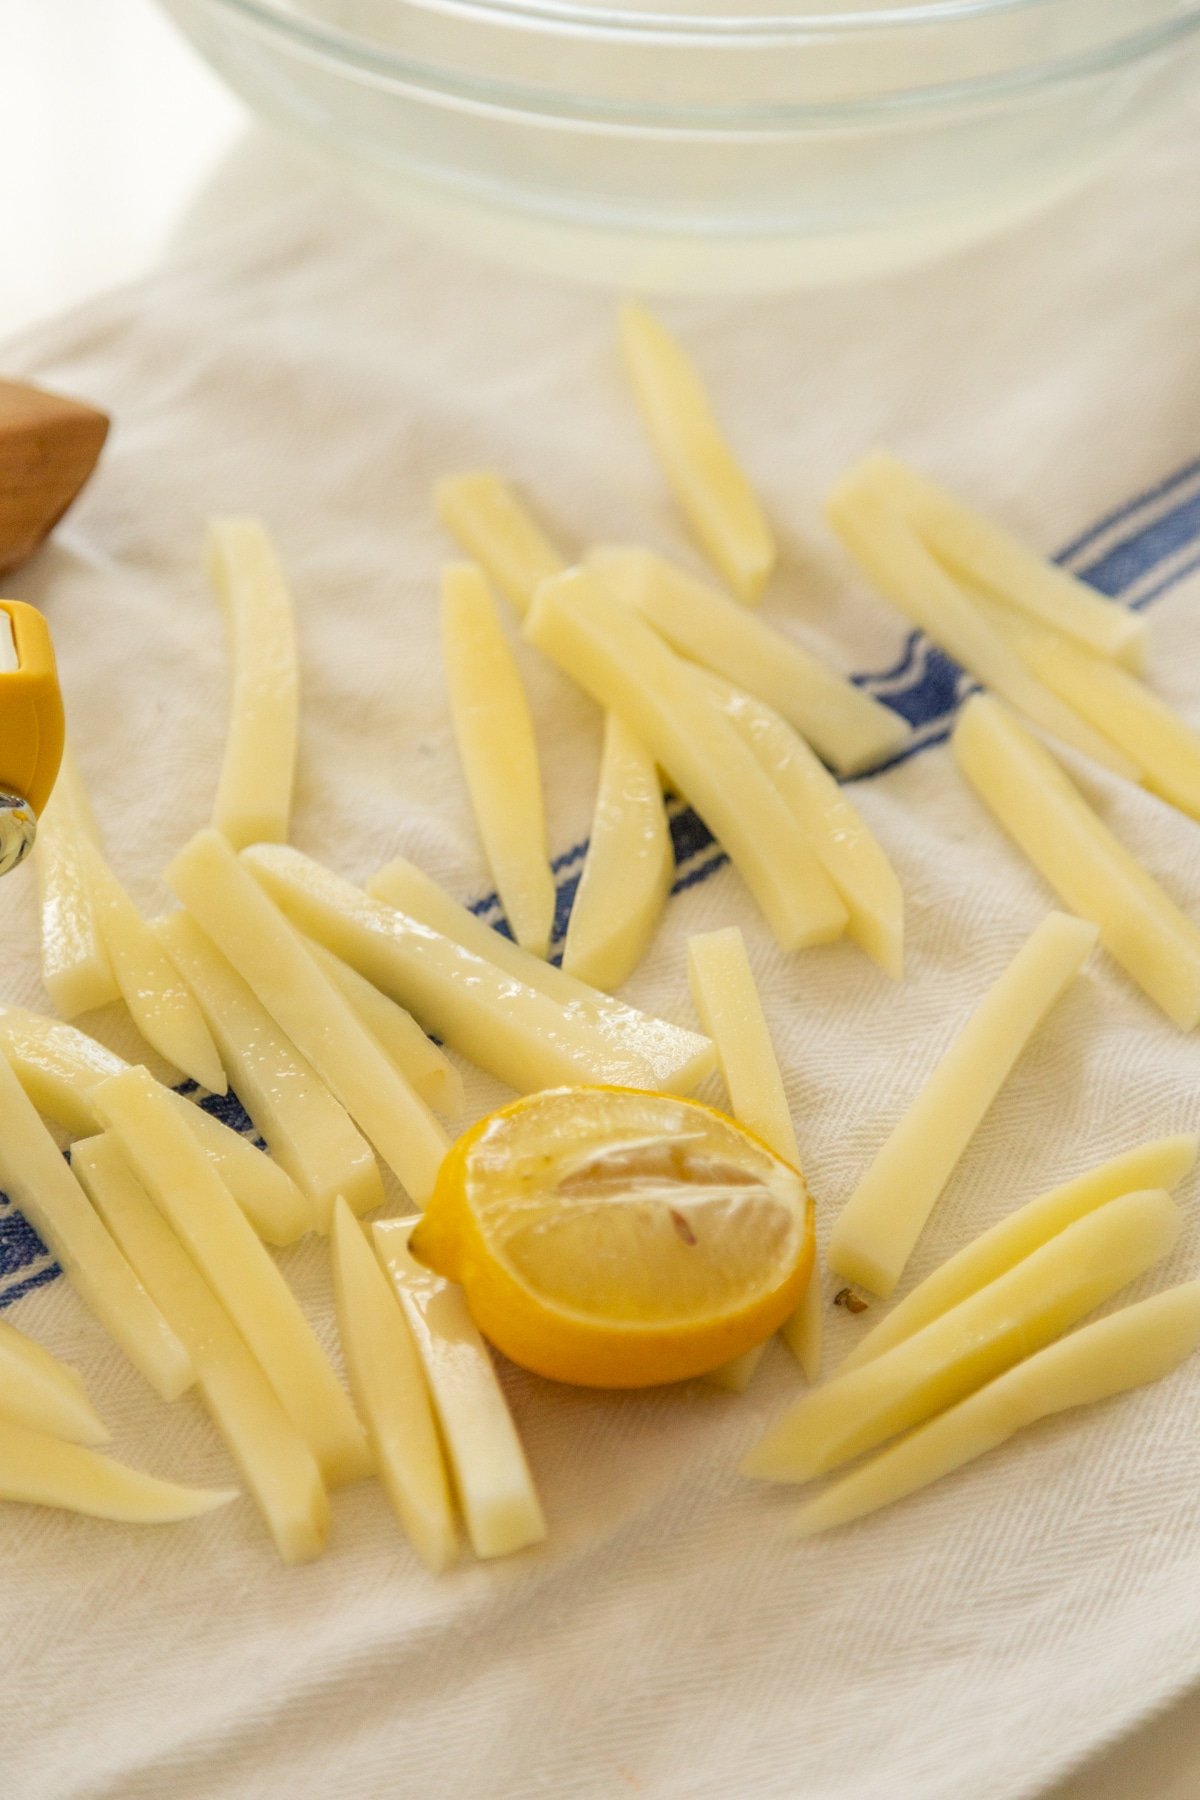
[669, 1641]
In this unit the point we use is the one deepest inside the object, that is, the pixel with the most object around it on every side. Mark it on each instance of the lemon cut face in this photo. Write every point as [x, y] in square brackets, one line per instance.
[613, 1237]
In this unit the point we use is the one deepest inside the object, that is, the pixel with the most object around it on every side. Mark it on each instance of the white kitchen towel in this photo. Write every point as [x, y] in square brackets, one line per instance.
[669, 1641]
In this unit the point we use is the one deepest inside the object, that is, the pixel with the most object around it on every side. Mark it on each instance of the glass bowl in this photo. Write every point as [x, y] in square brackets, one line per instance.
[679, 144]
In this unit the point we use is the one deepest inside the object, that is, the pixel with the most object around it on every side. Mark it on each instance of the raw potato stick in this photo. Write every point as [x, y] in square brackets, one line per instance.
[37, 1179]
[191, 1195]
[849, 854]
[496, 530]
[977, 549]
[1032, 797]
[311, 1134]
[626, 667]
[43, 1471]
[628, 869]
[76, 969]
[230, 906]
[254, 790]
[895, 560]
[844, 724]
[495, 1489]
[712, 492]
[675, 1060]
[389, 1386]
[493, 729]
[882, 1220]
[478, 1003]
[985, 1334]
[46, 1395]
[398, 1035]
[727, 1002]
[59, 1066]
[1131, 1348]
[1161, 1163]
[1138, 722]
[276, 1464]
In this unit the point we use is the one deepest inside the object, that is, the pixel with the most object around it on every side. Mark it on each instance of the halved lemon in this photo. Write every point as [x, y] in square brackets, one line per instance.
[615, 1238]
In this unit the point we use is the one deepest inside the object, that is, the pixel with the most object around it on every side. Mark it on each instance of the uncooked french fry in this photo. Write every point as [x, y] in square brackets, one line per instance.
[46, 1395]
[43, 1471]
[311, 1134]
[495, 1488]
[59, 1066]
[985, 1334]
[232, 909]
[1032, 797]
[673, 1060]
[628, 869]
[191, 1195]
[1137, 1345]
[1161, 1163]
[389, 1386]
[37, 1179]
[850, 855]
[76, 969]
[626, 666]
[727, 1002]
[276, 1464]
[398, 1035]
[895, 560]
[254, 790]
[475, 999]
[701, 470]
[881, 1222]
[844, 724]
[493, 728]
[494, 528]
[978, 549]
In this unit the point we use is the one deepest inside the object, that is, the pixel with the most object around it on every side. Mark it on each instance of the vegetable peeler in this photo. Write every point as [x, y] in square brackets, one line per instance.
[31, 727]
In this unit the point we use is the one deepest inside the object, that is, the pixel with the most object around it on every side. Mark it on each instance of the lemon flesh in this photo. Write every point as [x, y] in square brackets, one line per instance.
[611, 1237]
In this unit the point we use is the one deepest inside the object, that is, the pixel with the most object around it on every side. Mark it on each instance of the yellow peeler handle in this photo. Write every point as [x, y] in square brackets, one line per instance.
[31, 727]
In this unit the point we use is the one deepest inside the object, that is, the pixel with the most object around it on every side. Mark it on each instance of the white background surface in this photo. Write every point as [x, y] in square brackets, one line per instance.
[111, 132]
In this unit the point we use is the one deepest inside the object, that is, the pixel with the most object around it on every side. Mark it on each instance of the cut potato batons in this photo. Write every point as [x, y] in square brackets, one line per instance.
[729, 1008]
[275, 1463]
[1030, 794]
[623, 664]
[629, 865]
[59, 1067]
[200, 1209]
[389, 1386]
[254, 789]
[1116, 703]
[1140, 1344]
[1160, 1163]
[310, 1134]
[231, 907]
[37, 1179]
[407, 1047]
[493, 729]
[850, 855]
[713, 493]
[976, 549]
[882, 1220]
[845, 725]
[76, 968]
[43, 1471]
[476, 997]
[495, 1488]
[497, 531]
[38, 1391]
[895, 560]
[1033, 1303]
[674, 1060]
